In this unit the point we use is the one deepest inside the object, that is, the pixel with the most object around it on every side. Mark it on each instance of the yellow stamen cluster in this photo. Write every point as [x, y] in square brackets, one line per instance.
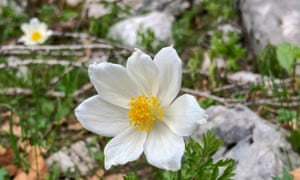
[36, 36]
[144, 111]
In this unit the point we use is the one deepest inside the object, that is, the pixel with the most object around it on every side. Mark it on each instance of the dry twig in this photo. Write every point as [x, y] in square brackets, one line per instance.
[278, 102]
[53, 94]
[17, 63]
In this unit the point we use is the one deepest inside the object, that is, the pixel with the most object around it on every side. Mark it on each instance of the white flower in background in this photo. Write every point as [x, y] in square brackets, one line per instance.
[35, 32]
[136, 105]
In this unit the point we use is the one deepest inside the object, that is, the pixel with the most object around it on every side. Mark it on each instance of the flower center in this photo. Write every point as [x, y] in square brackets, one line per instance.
[36, 36]
[144, 111]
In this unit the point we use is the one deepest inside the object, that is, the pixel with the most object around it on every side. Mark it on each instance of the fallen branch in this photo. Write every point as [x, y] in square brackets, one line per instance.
[205, 94]
[27, 92]
[4, 49]
[45, 53]
[54, 94]
[17, 63]
[278, 102]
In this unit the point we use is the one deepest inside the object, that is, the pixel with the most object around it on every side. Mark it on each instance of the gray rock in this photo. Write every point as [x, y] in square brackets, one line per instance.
[126, 31]
[259, 147]
[73, 3]
[173, 7]
[77, 157]
[245, 77]
[270, 22]
[97, 10]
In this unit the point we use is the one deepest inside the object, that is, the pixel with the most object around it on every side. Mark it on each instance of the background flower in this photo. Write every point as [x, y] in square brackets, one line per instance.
[35, 32]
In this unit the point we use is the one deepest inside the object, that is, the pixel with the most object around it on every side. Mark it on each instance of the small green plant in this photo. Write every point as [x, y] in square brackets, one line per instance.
[268, 63]
[285, 115]
[183, 28]
[293, 138]
[195, 63]
[99, 26]
[220, 8]
[14, 19]
[131, 176]
[274, 59]
[287, 54]
[198, 163]
[146, 38]
[3, 173]
[227, 46]
[285, 176]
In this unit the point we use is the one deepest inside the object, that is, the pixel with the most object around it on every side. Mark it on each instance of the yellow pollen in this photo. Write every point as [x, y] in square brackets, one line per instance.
[36, 36]
[144, 111]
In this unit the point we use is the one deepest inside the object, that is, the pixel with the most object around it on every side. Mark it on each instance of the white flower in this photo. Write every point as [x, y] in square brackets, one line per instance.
[35, 32]
[136, 105]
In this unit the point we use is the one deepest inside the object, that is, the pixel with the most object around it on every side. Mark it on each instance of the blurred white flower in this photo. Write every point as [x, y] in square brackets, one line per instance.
[137, 105]
[35, 32]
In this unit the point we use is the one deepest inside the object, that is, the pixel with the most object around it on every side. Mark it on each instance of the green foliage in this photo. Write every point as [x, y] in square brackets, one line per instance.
[274, 59]
[55, 172]
[285, 115]
[268, 63]
[207, 102]
[99, 27]
[183, 28]
[10, 23]
[198, 163]
[46, 13]
[285, 176]
[220, 8]
[227, 46]
[286, 55]
[294, 140]
[146, 38]
[3, 173]
[131, 176]
[195, 62]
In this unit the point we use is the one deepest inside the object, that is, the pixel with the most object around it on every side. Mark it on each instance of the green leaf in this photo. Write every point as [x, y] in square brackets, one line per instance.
[285, 176]
[3, 173]
[131, 176]
[286, 55]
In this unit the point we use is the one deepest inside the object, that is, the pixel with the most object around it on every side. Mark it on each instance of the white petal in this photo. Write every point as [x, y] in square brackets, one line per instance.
[144, 72]
[184, 115]
[26, 28]
[113, 83]
[34, 21]
[27, 41]
[169, 65]
[44, 37]
[102, 117]
[22, 39]
[43, 27]
[163, 148]
[125, 147]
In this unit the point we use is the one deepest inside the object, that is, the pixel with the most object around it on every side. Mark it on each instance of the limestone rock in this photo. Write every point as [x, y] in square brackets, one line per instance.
[97, 10]
[173, 7]
[77, 157]
[127, 30]
[270, 22]
[73, 3]
[259, 147]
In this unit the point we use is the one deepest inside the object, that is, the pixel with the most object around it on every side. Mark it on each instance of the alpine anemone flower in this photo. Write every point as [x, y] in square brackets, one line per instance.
[35, 32]
[137, 106]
